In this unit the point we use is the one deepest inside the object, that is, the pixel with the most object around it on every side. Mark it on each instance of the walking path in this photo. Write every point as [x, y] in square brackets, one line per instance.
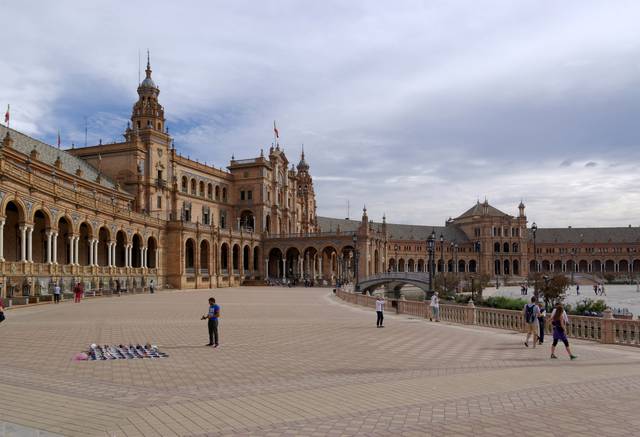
[300, 362]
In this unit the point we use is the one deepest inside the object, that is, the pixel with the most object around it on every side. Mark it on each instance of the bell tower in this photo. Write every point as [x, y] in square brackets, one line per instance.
[147, 112]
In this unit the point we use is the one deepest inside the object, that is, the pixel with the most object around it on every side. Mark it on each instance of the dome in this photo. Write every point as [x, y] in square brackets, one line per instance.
[302, 165]
[148, 83]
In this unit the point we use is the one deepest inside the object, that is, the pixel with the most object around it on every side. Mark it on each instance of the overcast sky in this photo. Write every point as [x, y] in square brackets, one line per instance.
[416, 108]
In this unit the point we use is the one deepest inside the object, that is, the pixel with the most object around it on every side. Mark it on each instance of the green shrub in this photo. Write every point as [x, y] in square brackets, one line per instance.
[588, 305]
[505, 303]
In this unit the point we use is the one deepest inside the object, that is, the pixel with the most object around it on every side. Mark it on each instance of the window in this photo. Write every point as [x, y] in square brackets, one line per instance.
[159, 202]
[224, 194]
[249, 195]
[241, 195]
[159, 175]
[206, 215]
[223, 219]
[186, 212]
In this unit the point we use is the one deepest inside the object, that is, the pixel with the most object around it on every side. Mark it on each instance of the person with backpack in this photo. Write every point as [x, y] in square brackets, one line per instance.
[531, 324]
[559, 322]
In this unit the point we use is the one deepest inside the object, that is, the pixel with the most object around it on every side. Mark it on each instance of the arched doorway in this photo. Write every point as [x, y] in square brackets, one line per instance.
[136, 258]
[63, 242]
[256, 260]
[293, 263]
[189, 255]
[204, 257]
[516, 267]
[224, 258]
[473, 266]
[275, 264]
[246, 259]
[152, 247]
[14, 215]
[121, 242]
[103, 246]
[507, 269]
[236, 259]
[39, 244]
[84, 244]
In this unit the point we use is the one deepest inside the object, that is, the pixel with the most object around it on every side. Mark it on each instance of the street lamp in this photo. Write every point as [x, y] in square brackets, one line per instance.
[431, 242]
[573, 267]
[442, 252]
[357, 256]
[534, 229]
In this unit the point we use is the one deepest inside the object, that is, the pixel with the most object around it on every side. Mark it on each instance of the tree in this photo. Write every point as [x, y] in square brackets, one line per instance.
[552, 289]
[474, 284]
[446, 284]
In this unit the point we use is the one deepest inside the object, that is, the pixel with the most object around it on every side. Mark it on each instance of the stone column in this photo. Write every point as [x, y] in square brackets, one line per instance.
[54, 257]
[284, 267]
[320, 267]
[109, 253]
[90, 252]
[30, 244]
[77, 250]
[1, 239]
[49, 235]
[266, 268]
[157, 257]
[114, 245]
[23, 243]
[142, 262]
[96, 257]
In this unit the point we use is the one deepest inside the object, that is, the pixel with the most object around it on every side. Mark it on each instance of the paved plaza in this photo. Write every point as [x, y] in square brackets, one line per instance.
[298, 362]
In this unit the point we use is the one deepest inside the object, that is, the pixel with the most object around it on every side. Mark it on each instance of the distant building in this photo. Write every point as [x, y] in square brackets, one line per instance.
[136, 210]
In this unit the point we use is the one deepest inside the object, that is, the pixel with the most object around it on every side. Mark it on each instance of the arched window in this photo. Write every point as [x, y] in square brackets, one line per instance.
[515, 250]
[193, 187]
[224, 194]
[496, 247]
[209, 191]
[201, 192]
[217, 192]
[184, 184]
[505, 248]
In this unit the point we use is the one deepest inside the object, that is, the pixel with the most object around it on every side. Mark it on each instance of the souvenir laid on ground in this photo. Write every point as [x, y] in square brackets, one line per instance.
[121, 352]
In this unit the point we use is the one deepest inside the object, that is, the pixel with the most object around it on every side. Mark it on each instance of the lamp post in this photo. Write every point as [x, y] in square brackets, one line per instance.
[573, 267]
[442, 252]
[357, 256]
[431, 242]
[534, 229]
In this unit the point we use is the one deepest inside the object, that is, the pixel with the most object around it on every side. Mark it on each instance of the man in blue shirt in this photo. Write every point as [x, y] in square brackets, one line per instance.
[212, 316]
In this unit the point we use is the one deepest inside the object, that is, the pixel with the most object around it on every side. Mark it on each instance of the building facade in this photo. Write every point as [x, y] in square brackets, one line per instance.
[137, 211]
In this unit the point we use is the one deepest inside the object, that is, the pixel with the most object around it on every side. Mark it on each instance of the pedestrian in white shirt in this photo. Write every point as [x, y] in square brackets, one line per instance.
[435, 307]
[380, 311]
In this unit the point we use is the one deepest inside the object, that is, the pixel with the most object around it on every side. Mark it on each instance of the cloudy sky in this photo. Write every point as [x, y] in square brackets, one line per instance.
[416, 108]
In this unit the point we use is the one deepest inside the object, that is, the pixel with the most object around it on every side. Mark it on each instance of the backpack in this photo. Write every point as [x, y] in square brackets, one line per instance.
[529, 314]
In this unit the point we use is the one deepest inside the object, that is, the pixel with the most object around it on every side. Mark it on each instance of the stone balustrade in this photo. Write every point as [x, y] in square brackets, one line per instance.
[606, 329]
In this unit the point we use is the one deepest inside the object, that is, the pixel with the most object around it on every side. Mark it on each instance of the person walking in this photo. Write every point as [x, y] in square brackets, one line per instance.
[118, 288]
[151, 286]
[380, 312]
[577, 289]
[77, 291]
[541, 321]
[212, 316]
[56, 293]
[559, 322]
[530, 312]
[2, 316]
[435, 307]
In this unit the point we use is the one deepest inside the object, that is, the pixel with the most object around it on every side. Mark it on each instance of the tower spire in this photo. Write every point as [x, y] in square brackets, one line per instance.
[148, 70]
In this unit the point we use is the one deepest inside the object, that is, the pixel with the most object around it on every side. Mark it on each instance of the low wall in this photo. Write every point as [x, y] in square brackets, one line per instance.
[605, 329]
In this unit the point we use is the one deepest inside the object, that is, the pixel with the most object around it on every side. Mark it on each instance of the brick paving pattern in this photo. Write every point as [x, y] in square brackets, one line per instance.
[298, 362]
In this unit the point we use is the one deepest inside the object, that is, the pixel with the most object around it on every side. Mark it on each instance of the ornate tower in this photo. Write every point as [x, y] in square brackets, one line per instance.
[306, 196]
[147, 112]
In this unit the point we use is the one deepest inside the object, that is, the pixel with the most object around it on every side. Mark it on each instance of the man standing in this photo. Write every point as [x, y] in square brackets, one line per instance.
[56, 293]
[435, 307]
[212, 316]
[380, 311]
[531, 324]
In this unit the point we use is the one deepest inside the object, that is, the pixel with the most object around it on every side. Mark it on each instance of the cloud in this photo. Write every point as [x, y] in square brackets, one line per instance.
[417, 110]
[591, 164]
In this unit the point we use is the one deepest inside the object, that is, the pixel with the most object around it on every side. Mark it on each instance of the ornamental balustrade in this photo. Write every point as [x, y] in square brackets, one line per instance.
[606, 329]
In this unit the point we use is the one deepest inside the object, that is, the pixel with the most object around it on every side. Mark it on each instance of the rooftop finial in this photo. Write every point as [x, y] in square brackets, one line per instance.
[302, 150]
[148, 64]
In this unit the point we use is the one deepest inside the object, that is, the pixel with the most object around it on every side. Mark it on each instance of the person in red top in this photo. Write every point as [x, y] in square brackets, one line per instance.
[78, 290]
[1, 311]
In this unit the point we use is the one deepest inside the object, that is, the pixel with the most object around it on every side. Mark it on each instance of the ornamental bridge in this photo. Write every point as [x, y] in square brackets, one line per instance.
[394, 281]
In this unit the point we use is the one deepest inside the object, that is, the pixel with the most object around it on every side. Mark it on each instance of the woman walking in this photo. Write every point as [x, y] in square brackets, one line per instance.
[559, 322]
